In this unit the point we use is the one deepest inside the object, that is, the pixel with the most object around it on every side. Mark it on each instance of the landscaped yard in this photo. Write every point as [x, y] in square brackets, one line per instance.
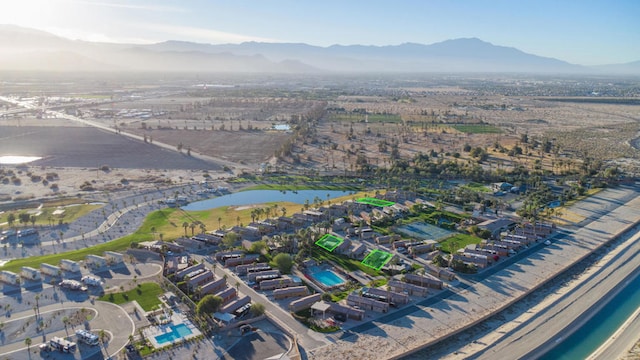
[44, 216]
[458, 241]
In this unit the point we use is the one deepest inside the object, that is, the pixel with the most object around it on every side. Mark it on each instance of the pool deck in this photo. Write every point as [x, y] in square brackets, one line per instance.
[151, 332]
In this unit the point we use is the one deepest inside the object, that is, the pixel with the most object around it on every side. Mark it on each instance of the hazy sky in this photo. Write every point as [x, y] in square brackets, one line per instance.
[584, 32]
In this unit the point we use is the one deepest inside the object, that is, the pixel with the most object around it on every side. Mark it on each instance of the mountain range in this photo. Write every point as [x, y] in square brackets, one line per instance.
[29, 50]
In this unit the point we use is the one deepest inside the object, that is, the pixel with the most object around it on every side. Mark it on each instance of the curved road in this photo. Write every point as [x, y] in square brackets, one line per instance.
[110, 317]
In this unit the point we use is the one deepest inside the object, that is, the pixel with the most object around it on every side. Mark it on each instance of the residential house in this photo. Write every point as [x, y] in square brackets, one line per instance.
[367, 303]
[30, 273]
[410, 289]
[304, 303]
[290, 292]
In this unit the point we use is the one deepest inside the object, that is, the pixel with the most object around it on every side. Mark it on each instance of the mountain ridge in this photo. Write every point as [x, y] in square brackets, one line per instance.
[453, 55]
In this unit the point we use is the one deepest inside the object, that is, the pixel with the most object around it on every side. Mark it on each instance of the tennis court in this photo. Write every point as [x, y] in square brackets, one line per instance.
[423, 231]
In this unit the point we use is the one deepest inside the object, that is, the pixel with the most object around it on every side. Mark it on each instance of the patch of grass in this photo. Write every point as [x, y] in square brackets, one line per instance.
[458, 241]
[145, 294]
[477, 187]
[378, 282]
[476, 128]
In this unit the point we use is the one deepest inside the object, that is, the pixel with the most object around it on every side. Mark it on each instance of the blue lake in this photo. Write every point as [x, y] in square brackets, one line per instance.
[265, 196]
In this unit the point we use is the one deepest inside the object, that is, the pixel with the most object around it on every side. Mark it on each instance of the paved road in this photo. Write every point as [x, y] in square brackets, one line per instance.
[110, 317]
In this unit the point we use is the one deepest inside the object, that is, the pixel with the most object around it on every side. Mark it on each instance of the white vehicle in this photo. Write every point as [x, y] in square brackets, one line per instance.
[547, 242]
[87, 337]
[62, 345]
[72, 285]
[91, 280]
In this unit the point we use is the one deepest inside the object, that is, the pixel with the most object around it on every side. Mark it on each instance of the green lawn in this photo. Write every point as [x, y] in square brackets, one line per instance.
[459, 241]
[44, 216]
[145, 294]
[477, 128]
[477, 187]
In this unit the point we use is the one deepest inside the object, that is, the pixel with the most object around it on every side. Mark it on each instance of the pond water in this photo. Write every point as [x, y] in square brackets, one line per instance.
[13, 160]
[265, 196]
[282, 127]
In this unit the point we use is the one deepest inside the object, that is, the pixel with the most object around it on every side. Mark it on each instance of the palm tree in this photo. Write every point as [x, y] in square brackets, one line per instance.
[37, 298]
[65, 321]
[103, 335]
[28, 342]
[11, 219]
[284, 211]
[203, 228]
[193, 227]
[185, 225]
[219, 221]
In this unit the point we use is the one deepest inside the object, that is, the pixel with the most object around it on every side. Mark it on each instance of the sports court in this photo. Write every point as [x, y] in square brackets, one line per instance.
[329, 242]
[375, 202]
[377, 259]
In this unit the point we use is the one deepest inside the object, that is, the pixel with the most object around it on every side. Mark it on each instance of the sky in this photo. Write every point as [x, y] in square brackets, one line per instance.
[586, 32]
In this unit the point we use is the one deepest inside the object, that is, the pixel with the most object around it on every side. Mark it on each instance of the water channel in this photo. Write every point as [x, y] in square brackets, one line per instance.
[601, 326]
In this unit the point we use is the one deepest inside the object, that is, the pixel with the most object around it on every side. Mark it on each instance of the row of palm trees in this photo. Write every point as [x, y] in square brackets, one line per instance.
[186, 225]
[267, 212]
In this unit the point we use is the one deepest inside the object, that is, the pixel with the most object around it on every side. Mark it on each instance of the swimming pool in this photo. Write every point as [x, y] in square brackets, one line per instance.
[327, 277]
[177, 332]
